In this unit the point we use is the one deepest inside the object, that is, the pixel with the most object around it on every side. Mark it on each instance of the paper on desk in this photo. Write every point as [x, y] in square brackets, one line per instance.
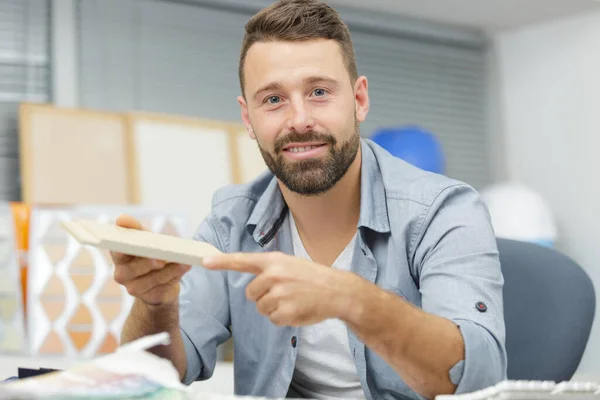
[131, 372]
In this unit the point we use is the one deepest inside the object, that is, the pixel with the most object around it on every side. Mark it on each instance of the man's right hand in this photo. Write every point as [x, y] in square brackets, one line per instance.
[154, 282]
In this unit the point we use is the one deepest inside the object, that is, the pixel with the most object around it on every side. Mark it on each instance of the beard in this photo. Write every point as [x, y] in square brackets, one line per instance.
[314, 176]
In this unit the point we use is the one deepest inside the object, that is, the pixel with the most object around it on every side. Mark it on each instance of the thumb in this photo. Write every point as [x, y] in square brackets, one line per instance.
[127, 221]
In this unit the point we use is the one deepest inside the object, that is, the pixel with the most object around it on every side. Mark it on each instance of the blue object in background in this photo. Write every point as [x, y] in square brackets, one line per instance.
[413, 145]
[544, 242]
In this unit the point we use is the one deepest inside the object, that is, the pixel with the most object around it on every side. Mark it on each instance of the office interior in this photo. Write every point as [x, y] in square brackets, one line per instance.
[508, 90]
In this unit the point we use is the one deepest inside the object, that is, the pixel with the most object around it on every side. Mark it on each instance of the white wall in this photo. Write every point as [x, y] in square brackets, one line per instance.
[548, 99]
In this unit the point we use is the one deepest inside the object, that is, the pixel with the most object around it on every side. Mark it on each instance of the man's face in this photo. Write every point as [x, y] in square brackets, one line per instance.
[303, 111]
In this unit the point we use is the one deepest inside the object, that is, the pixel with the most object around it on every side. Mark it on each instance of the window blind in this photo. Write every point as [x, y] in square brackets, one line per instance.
[24, 77]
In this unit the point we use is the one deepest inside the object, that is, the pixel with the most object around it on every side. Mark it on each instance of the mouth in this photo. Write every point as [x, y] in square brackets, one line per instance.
[303, 147]
[303, 151]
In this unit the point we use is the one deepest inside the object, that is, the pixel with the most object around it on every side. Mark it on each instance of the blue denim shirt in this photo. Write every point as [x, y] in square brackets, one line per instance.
[422, 236]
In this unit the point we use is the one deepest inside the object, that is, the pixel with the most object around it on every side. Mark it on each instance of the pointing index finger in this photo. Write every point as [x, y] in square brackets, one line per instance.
[241, 262]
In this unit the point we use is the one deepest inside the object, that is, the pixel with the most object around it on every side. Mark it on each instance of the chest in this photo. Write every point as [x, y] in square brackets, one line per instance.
[260, 345]
[383, 260]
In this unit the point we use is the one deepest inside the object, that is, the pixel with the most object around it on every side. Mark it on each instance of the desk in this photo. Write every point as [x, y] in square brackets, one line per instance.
[220, 383]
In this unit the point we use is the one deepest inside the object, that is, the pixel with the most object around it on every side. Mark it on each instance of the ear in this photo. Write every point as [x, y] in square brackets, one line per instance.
[361, 98]
[245, 117]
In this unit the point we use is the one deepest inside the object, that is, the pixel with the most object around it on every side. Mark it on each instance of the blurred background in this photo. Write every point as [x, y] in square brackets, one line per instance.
[503, 95]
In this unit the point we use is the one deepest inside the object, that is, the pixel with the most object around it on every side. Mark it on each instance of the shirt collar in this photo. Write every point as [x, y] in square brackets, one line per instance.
[373, 202]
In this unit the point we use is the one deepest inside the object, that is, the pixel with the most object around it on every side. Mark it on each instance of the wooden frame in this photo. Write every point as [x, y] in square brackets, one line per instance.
[35, 188]
[234, 130]
[231, 128]
[191, 160]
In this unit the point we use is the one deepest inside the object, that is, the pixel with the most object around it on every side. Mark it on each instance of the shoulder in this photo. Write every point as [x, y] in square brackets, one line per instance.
[405, 182]
[423, 207]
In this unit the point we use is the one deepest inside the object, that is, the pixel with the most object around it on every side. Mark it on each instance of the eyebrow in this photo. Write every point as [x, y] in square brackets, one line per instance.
[309, 80]
[267, 87]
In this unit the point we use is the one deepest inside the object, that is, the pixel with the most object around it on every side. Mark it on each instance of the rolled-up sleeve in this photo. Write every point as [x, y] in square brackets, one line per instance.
[204, 317]
[460, 279]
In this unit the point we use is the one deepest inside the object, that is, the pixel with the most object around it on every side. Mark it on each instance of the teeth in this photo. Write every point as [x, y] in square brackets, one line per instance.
[302, 149]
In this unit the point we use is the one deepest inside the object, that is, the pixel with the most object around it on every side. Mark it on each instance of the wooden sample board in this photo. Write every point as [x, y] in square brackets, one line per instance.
[140, 243]
[71, 156]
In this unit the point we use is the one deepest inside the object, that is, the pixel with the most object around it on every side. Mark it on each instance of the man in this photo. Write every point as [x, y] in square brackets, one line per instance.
[347, 273]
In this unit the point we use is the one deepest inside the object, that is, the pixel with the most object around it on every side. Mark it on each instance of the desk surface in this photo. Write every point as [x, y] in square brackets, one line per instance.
[220, 383]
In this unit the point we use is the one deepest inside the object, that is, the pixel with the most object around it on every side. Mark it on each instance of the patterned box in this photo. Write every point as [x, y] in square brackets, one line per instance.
[75, 308]
[12, 335]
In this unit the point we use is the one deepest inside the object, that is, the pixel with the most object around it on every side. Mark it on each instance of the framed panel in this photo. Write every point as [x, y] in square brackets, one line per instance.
[249, 161]
[71, 156]
[180, 162]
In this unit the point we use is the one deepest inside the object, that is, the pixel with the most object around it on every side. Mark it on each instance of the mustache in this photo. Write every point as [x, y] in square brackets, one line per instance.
[306, 137]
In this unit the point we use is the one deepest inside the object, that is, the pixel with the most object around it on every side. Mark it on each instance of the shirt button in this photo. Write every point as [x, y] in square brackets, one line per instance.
[481, 306]
[294, 341]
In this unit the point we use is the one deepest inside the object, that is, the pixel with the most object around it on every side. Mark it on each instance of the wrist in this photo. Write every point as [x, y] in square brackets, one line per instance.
[159, 308]
[167, 313]
[360, 301]
[145, 319]
[349, 302]
[158, 299]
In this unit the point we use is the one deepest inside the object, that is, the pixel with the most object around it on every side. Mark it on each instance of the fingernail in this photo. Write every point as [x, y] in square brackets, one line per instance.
[157, 263]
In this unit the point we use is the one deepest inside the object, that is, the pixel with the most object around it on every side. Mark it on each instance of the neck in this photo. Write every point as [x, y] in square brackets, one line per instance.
[327, 222]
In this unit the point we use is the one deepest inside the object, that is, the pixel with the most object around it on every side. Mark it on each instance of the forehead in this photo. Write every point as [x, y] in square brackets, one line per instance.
[291, 62]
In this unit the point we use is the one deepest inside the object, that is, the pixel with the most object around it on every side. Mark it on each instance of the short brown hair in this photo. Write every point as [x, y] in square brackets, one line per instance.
[298, 20]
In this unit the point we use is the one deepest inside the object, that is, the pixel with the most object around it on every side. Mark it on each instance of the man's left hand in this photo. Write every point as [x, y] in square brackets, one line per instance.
[289, 290]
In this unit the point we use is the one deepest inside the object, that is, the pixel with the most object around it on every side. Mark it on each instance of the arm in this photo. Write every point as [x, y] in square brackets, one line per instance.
[421, 347]
[145, 319]
[189, 303]
[155, 286]
[448, 346]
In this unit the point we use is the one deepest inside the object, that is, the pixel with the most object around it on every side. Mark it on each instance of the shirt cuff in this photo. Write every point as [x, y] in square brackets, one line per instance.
[485, 359]
[193, 367]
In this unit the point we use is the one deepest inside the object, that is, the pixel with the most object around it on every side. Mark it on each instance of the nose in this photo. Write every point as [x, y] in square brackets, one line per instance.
[300, 118]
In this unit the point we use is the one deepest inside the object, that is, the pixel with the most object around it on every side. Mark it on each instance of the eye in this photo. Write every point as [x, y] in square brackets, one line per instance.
[319, 92]
[273, 100]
